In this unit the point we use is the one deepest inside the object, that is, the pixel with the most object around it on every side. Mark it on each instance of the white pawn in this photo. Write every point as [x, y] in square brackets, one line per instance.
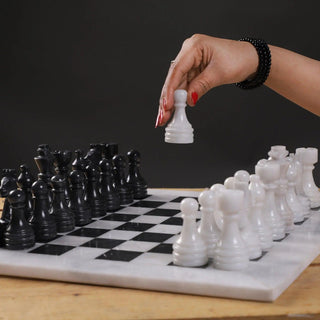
[269, 173]
[250, 237]
[189, 250]
[299, 211]
[278, 154]
[231, 251]
[179, 130]
[259, 225]
[208, 228]
[308, 157]
[229, 183]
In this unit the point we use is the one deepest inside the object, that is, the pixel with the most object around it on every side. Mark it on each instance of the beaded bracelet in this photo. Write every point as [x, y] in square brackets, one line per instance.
[264, 64]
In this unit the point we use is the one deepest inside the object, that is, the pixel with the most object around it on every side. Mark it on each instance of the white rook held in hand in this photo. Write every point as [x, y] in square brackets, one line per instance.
[179, 130]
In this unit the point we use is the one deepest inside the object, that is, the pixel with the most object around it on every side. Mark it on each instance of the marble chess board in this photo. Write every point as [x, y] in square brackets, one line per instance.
[132, 248]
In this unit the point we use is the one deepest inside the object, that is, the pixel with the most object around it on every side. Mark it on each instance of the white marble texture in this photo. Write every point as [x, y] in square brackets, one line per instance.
[263, 280]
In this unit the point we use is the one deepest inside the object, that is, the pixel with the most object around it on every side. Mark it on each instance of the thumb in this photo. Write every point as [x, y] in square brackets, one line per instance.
[200, 85]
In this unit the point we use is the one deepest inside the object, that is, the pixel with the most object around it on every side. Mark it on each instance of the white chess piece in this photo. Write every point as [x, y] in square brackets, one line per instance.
[269, 173]
[189, 250]
[208, 228]
[302, 197]
[299, 211]
[278, 155]
[218, 216]
[229, 183]
[308, 157]
[257, 196]
[248, 234]
[231, 252]
[179, 130]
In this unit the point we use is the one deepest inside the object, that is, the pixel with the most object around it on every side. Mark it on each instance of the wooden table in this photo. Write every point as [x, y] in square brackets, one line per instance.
[41, 299]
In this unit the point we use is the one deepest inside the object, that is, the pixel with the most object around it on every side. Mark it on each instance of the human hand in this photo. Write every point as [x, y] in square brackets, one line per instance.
[205, 62]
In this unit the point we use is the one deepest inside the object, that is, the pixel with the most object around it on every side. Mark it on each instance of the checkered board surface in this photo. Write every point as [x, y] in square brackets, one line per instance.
[132, 247]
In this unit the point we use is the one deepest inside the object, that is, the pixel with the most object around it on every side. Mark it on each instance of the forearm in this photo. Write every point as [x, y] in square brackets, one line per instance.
[295, 77]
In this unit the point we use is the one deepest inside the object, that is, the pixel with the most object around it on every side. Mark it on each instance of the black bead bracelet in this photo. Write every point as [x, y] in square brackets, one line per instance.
[263, 71]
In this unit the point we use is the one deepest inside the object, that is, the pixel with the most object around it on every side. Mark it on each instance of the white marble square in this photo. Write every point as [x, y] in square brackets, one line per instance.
[105, 224]
[172, 239]
[165, 228]
[120, 234]
[134, 210]
[84, 253]
[153, 258]
[170, 205]
[70, 240]
[163, 198]
[140, 246]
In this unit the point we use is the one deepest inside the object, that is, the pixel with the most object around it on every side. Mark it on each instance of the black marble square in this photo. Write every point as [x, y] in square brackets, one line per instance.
[120, 217]
[162, 212]
[88, 232]
[135, 226]
[179, 199]
[119, 255]
[152, 237]
[148, 204]
[162, 248]
[102, 243]
[52, 249]
[173, 221]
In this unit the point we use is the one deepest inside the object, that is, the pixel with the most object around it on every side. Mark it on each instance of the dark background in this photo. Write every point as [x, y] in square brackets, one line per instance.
[77, 72]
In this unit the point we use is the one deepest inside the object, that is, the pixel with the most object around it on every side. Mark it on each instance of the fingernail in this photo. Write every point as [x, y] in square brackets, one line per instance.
[194, 97]
[157, 121]
[161, 117]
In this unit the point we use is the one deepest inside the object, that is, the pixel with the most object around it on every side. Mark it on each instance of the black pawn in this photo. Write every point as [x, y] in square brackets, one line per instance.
[98, 208]
[78, 204]
[25, 181]
[8, 184]
[60, 210]
[18, 235]
[62, 160]
[125, 192]
[135, 181]
[94, 155]
[43, 223]
[107, 189]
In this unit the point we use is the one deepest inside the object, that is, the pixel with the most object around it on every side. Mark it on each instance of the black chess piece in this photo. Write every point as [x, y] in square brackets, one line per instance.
[25, 181]
[62, 160]
[62, 213]
[94, 155]
[47, 151]
[3, 226]
[78, 204]
[110, 150]
[107, 189]
[96, 202]
[79, 162]
[44, 162]
[43, 223]
[18, 235]
[125, 192]
[135, 180]
[8, 183]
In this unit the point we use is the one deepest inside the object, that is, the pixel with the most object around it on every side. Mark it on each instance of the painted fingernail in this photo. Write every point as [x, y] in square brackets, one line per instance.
[194, 97]
[161, 117]
[157, 121]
